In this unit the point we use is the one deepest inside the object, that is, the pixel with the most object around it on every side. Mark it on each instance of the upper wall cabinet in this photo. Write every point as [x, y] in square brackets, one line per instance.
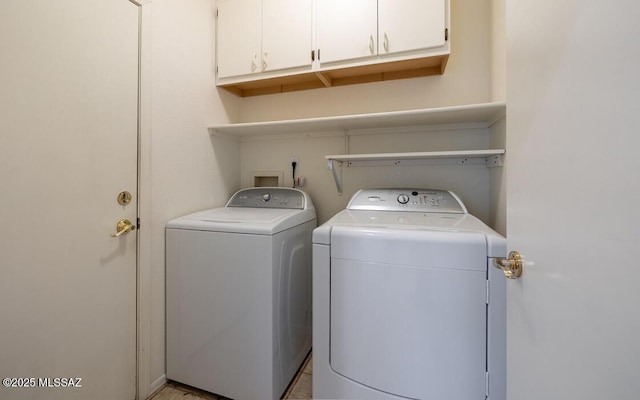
[370, 29]
[411, 25]
[258, 36]
[239, 54]
[273, 46]
[347, 30]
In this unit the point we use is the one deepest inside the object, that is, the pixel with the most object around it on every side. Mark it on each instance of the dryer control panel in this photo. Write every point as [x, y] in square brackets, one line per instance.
[269, 197]
[417, 200]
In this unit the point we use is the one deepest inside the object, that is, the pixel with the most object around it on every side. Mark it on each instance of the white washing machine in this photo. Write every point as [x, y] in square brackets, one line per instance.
[238, 293]
[406, 302]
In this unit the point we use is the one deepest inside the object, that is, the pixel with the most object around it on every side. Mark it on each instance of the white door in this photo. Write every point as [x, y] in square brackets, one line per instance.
[347, 30]
[407, 25]
[286, 34]
[68, 146]
[573, 198]
[239, 37]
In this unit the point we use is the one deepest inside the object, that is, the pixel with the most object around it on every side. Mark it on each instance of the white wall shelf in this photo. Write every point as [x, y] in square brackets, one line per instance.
[489, 158]
[482, 115]
[398, 158]
[485, 114]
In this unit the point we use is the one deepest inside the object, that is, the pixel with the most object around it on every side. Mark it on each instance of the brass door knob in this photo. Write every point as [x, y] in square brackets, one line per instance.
[123, 226]
[512, 266]
[124, 198]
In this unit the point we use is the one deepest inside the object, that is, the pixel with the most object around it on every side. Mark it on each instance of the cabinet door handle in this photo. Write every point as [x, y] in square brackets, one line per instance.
[371, 45]
[254, 65]
[264, 61]
[385, 42]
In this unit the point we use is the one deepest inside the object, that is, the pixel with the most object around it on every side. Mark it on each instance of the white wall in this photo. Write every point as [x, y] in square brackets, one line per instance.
[468, 79]
[188, 170]
[498, 51]
[471, 182]
[498, 179]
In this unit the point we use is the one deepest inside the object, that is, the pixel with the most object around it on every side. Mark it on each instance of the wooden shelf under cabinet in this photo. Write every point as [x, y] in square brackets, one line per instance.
[377, 72]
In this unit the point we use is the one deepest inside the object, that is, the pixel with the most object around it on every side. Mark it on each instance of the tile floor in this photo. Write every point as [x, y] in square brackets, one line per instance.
[300, 388]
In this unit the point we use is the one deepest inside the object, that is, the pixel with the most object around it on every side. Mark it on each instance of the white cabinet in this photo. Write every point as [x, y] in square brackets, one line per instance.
[258, 36]
[239, 39]
[274, 46]
[361, 29]
[347, 29]
[287, 27]
[409, 25]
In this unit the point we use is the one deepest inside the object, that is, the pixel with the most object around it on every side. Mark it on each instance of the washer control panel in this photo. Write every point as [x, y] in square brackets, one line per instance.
[418, 200]
[268, 197]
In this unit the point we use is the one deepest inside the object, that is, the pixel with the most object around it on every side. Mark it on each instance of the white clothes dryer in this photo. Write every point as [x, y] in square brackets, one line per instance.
[238, 293]
[406, 302]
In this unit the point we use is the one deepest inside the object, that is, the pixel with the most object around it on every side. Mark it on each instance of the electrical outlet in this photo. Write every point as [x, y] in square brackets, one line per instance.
[295, 159]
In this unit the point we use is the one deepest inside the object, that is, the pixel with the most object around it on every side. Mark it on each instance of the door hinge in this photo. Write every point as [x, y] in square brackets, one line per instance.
[446, 34]
[486, 385]
[217, 12]
[488, 292]
[313, 55]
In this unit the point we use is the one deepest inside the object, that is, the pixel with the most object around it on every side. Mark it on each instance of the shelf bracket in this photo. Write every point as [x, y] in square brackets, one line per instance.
[495, 161]
[332, 165]
[325, 79]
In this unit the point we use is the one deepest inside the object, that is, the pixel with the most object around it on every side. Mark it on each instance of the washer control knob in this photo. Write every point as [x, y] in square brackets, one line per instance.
[403, 199]
[266, 197]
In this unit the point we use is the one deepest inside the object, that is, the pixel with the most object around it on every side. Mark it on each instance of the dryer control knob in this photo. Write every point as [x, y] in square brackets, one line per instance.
[403, 199]
[266, 197]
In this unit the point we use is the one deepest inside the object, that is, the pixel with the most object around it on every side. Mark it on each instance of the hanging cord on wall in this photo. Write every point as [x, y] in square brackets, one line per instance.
[293, 173]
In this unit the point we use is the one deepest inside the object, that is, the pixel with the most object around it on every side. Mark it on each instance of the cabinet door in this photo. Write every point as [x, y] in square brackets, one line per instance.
[239, 41]
[286, 34]
[347, 30]
[406, 25]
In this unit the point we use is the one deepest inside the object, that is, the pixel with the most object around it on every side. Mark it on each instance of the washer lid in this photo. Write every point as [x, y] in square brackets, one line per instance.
[263, 221]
